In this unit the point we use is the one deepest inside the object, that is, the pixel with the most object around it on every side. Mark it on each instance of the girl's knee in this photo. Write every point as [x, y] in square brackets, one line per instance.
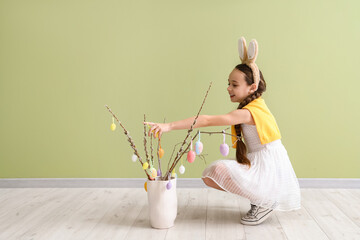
[220, 169]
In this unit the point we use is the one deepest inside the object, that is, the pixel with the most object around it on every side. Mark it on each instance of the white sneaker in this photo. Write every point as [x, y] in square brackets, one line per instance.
[256, 215]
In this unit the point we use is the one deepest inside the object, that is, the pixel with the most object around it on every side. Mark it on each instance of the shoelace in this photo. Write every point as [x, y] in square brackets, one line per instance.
[252, 210]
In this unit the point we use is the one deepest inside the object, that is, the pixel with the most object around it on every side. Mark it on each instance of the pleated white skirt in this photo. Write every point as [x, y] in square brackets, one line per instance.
[270, 182]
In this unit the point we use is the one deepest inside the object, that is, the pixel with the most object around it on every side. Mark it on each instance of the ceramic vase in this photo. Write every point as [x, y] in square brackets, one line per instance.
[162, 203]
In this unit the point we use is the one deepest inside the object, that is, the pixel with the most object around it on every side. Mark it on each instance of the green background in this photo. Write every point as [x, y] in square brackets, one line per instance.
[62, 61]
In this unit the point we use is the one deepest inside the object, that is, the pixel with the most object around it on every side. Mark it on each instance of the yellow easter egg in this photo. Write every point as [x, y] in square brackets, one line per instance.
[145, 186]
[161, 152]
[157, 134]
[113, 127]
[173, 174]
[153, 173]
[145, 165]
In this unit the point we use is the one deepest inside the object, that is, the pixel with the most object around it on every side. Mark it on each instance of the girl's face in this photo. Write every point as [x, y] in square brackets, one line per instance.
[238, 89]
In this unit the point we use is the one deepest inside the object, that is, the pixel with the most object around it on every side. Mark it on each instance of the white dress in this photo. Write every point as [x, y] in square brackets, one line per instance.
[270, 182]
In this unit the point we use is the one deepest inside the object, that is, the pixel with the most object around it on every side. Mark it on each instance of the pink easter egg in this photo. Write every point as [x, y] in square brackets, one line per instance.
[224, 149]
[198, 147]
[191, 156]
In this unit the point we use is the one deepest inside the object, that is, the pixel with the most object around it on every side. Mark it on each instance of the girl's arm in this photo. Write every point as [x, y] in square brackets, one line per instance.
[237, 116]
[201, 121]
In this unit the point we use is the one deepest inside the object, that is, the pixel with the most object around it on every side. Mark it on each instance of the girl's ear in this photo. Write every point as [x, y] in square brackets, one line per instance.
[242, 49]
[252, 51]
[253, 87]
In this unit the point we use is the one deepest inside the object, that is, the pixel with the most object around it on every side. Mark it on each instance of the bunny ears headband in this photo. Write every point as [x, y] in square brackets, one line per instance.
[248, 56]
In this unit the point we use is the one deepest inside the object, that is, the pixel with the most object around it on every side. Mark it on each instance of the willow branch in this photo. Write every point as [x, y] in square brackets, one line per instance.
[172, 156]
[158, 147]
[129, 139]
[180, 152]
[152, 149]
[186, 150]
[145, 142]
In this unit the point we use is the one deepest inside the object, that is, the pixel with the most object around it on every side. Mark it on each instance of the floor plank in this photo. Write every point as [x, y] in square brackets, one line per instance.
[334, 223]
[18, 197]
[223, 216]
[39, 214]
[203, 213]
[346, 202]
[141, 227]
[190, 221]
[299, 225]
[78, 217]
[269, 229]
[354, 192]
[121, 216]
[21, 212]
[9, 193]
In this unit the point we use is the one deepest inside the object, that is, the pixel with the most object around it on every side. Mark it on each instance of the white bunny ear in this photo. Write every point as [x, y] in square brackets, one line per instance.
[242, 49]
[252, 50]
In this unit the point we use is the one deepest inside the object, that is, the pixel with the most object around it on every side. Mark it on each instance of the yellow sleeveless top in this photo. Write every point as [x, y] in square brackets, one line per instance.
[265, 122]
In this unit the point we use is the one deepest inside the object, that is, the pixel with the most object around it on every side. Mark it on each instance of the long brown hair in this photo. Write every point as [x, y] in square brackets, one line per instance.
[241, 149]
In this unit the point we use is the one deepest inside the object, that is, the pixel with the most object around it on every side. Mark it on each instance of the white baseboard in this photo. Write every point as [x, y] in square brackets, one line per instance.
[139, 183]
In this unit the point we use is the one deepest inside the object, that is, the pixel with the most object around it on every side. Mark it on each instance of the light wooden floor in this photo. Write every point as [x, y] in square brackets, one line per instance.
[203, 213]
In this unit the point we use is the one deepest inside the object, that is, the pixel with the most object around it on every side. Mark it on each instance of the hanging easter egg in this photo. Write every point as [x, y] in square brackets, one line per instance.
[198, 146]
[173, 173]
[168, 185]
[161, 152]
[145, 165]
[113, 126]
[182, 169]
[148, 126]
[191, 155]
[134, 157]
[159, 172]
[224, 148]
[157, 134]
[145, 186]
[153, 172]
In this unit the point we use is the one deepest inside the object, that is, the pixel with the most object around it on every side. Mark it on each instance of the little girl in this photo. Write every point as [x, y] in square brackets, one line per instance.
[262, 171]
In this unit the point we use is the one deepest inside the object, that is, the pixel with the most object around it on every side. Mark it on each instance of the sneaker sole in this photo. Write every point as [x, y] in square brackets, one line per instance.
[263, 218]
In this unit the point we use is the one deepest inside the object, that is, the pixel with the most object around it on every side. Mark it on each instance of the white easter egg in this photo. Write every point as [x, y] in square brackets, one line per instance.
[182, 169]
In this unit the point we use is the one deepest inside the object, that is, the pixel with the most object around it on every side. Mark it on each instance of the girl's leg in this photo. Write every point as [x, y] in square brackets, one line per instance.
[209, 182]
[218, 171]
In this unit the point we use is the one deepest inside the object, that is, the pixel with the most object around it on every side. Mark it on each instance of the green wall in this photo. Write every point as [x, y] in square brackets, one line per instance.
[62, 61]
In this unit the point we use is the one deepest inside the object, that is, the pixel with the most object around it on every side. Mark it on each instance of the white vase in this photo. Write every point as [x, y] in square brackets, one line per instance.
[162, 203]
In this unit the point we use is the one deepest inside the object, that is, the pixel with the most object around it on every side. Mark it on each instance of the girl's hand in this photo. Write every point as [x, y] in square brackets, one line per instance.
[158, 128]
